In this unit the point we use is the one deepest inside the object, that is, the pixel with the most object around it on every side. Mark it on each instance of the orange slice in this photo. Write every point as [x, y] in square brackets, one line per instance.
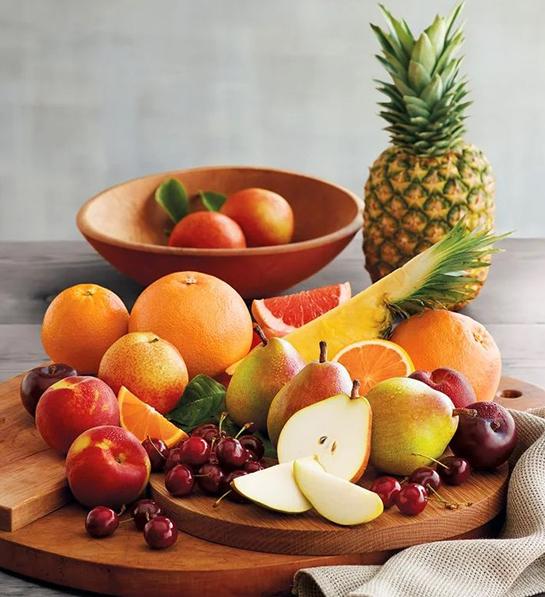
[373, 361]
[144, 421]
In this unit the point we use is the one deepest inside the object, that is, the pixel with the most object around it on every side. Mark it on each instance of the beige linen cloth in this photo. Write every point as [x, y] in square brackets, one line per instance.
[513, 564]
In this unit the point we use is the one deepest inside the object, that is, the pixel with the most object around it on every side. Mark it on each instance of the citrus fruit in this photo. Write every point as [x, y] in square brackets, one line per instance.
[373, 361]
[207, 230]
[81, 323]
[440, 338]
[147, 365]
[280, 315]
[204, 317]
[143, 421]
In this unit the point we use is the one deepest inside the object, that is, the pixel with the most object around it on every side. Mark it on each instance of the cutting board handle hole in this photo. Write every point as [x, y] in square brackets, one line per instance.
[510, 393]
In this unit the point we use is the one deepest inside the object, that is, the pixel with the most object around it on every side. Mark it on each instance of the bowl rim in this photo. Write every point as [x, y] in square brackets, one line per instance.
[90, 232]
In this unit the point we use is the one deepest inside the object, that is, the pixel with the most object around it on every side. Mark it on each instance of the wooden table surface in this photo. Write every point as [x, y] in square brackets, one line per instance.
[511, 306]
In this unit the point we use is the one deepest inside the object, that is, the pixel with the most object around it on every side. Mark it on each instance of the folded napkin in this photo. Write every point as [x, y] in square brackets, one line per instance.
[513, 564]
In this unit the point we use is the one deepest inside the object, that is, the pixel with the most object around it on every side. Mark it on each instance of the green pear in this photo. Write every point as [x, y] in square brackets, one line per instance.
[258, 378]
[412, 424]
[317, 381]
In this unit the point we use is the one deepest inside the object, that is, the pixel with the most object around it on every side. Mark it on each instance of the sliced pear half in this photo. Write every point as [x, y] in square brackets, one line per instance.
[336, 499]
[336, 430]
[274, 488]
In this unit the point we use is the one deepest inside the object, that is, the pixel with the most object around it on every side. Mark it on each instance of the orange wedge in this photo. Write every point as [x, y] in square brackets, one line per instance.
[373, 361]
[144, 421]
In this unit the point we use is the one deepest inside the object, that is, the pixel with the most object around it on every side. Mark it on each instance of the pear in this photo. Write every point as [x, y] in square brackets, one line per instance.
[412, 424]
[336, 431]
[274, 488]
[258, 378]
[317, 381]
[334, 498]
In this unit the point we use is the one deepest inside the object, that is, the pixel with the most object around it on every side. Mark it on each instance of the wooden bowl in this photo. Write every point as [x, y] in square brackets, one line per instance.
[126, 226]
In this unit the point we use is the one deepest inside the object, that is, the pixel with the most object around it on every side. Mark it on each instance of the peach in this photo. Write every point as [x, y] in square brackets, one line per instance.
[148, 366]
[207, 230]
[266, 218]
[452, 383]
[107, 466]
[73, 405]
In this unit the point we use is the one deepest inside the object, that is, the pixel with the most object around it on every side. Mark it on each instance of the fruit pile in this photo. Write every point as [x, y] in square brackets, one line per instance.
[250, 217]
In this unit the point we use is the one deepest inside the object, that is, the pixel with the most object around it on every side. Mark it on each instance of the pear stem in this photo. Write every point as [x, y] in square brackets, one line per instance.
[468, 412]
[261, 334]
[432, 459]
[355, 389]
[323, 351]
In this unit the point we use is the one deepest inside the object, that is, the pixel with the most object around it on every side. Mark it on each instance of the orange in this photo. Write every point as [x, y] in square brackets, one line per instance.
[204, 317]
[143, 421]
[373, 361]
[280, 315]
[440, 338]
[147, 365]
[81, 323]
[207, 230]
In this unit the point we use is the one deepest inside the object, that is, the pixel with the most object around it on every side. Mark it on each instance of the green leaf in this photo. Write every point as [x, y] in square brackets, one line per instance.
[172, 197]
[212, 201]
[203, 401]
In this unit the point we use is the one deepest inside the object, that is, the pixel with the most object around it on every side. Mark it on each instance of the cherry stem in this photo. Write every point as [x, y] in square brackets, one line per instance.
[467, 412]
[122, 510]
[323, 351]
[355, 389]
[223, 416]
[261, 334]
[243, 429]
[155, 447]
[218, 501]
[449, 505]
[432, 459]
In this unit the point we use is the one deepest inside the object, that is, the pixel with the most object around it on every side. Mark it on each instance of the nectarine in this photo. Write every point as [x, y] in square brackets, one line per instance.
[107, 466]
[73, 405]
[207, 230]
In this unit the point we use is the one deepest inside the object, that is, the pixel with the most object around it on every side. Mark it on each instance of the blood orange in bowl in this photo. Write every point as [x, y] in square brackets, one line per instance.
[280, 315]
[373, 361]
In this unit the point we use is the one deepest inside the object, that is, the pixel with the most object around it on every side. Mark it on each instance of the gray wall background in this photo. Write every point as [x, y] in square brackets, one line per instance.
[96, 92]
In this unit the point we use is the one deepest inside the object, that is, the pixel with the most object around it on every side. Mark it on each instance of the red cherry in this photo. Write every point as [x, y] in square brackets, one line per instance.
[457, 471]
[252, 466]
[143, 511]
[412, 499]
[101, 522]
[195, 451]
[160, 532]
[179, 480]
[157, 452]
[231, 454]
[210, 478]
[387, 489]
[254, 445]
[232, 495]
[174, 457]
[427, 477]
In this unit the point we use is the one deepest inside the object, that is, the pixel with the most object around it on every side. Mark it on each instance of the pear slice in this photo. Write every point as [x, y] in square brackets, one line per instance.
[274, 488]
[337, 431]
[336, 499]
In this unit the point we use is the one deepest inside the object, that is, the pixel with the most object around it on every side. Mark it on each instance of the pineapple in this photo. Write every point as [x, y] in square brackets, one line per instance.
[429, 179]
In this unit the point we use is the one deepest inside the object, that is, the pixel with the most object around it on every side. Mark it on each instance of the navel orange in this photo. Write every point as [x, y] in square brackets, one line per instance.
[204, 317]
[81, 323]
[441, 338]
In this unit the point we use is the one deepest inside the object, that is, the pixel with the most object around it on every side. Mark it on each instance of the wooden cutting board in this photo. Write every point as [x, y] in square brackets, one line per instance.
[56, 548]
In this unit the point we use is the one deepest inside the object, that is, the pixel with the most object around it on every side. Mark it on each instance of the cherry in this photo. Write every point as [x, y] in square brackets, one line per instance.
[427, 477]
[101, 522]
[160, 532]
[195, 451]
[38, 380]
[454, 470]
[210, 478]
[231, 454]
[143, 511]
[387, 489]
[208, 431]
[174, 457]
[254, 445]
[412, 499]
[252, 466]
[228, 492]
[157, 452]
[179, 480]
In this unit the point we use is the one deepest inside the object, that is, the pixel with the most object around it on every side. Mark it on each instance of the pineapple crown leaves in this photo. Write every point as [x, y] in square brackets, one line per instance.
[439, 275]
[426, 99]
